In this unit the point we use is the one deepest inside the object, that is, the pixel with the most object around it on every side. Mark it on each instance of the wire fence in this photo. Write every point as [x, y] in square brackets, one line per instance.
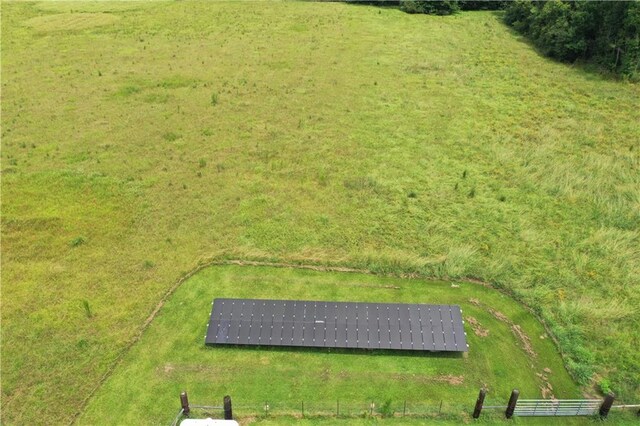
[349, 409]
[336, 409]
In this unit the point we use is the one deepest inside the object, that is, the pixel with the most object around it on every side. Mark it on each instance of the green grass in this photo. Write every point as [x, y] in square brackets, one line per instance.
[171, 355]
[327, 117]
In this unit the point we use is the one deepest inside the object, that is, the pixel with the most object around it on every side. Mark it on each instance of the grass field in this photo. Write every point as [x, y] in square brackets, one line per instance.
[140, 139]
[171, 355]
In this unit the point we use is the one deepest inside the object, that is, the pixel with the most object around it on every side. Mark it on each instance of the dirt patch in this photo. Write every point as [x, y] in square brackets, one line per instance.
[515, 328]
[446, 378]
[248, 420]
[452, 380]
[546, 389]
[524, 339]
[499, 316]
[477, 328]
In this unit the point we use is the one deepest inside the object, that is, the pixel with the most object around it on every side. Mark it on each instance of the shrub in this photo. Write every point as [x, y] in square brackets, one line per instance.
[519, 15]
[445, 7]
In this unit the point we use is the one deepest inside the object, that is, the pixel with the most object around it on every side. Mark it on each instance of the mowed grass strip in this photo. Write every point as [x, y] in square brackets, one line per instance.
[301, 132]
[171, 355]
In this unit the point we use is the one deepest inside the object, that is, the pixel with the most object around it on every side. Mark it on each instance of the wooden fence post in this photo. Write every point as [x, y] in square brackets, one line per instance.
[228, 412]
[184, 402]
[606, 405]
[479, 402]
[511, 406]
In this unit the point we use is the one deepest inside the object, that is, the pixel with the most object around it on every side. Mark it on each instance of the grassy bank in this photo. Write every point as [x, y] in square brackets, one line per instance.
[139, 138]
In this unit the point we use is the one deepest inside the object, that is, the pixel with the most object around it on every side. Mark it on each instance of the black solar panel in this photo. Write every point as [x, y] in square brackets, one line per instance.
[336, 325]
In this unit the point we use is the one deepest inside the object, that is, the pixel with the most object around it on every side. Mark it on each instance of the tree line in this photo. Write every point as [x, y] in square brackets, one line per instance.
[606, 33]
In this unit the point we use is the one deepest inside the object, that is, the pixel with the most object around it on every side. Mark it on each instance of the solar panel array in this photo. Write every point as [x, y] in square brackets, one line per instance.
[336, 325]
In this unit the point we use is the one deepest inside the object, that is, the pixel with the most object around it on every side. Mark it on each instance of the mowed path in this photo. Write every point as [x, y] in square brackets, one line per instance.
[137, 144]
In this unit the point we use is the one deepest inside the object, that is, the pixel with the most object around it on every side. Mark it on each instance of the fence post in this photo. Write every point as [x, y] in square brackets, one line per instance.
[513, 400]
[337, 407]
[606, 405]
[184, 402]
[302, 409]
[228, 413]
[479, 402]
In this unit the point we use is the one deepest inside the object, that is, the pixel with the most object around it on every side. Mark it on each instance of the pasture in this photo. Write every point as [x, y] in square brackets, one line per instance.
[142, 139]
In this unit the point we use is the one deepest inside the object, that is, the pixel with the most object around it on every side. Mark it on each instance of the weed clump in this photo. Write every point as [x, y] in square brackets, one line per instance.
[129, 90]
[386, 410]
[605, 387]
[87, 309]
[361, 183]
[170, 136]
[78, 241]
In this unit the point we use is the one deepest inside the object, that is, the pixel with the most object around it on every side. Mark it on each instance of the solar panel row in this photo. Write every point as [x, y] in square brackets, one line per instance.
[336, 325]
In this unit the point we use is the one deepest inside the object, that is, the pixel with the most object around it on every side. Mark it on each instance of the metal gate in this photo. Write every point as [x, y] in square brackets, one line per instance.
[557, 407]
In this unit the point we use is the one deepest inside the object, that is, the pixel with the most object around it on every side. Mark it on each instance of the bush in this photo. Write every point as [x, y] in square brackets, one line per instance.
[519, 15]
[445, 7]
[557, 31]
[482, 5]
